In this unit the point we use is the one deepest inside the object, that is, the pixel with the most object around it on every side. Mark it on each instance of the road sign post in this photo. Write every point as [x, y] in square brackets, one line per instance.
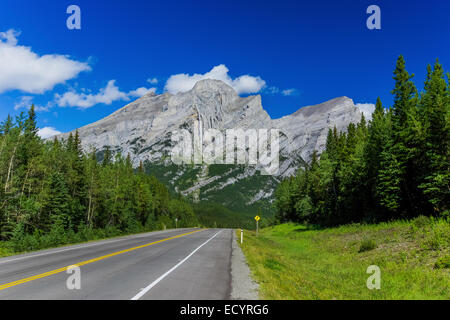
[257, 220]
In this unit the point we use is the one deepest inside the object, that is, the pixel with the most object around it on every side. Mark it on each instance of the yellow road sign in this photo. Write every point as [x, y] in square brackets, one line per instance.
[257, 218]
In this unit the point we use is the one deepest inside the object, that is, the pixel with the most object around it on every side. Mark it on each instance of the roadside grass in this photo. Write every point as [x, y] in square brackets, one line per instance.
[291, 261]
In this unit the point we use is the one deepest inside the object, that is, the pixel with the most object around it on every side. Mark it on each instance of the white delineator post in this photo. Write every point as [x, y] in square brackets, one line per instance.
[242, 235]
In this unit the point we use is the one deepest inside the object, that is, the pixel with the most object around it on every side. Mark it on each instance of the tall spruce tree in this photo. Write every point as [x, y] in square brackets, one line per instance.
[407, 140]
[435, 107]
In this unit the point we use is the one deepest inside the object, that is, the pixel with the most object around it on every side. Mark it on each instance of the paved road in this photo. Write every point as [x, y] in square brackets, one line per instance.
[174, 264]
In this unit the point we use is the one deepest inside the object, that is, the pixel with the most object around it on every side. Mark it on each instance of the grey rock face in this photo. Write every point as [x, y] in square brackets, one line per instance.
[143, 128]
[307, 128]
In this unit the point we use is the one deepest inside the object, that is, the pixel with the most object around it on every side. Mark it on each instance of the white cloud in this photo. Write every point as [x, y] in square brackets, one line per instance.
[139, 92]
[106, 95]
[10, 36]
[286, 92]
[22, 69]
[272, 90]
[367, 109]
[289, 92]
[244, 84]
[152, 81]
[26, 102]
[48, 132]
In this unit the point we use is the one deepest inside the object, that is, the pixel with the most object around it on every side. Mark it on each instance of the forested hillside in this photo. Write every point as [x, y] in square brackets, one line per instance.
[52, 193]
[396, 166]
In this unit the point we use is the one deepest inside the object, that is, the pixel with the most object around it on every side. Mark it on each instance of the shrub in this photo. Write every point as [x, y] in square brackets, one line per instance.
[84, 233]
[111, 231]
[30, 243]
[57, 235]
[367, 245]
[439, 236]
[443, 262]
[5, 251]
[422, 221]
[434, 242]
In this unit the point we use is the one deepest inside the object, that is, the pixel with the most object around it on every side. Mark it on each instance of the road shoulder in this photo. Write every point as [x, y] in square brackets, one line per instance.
[243, 287]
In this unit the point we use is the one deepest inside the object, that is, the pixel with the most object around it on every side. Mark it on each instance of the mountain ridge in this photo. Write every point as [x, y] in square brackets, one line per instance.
[142, 129]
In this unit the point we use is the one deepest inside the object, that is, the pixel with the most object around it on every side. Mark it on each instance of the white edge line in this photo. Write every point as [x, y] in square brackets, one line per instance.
[154, 283]
[82, 246]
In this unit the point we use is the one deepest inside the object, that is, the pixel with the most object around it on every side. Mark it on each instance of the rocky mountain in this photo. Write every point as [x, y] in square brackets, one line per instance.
[143, 129]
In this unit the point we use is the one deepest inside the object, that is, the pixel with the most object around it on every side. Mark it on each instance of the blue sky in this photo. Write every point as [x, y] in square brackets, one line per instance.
[295, 53]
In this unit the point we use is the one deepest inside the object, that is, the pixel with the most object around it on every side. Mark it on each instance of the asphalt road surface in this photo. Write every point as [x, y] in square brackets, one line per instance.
[173, 264]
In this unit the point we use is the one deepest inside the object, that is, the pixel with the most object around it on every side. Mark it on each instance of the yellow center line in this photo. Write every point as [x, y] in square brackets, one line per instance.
[49, 273]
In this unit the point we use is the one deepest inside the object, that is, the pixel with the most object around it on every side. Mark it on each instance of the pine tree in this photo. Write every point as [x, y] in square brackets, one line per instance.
[404, 92]
[30, 125]
[107, 157]
[6, 125]
[388, 183]
[31, 142]
[435, 107]
[58, 201]
[408, 139]
[388, 173]
[92, 185]
[378, 136]
[77, 184]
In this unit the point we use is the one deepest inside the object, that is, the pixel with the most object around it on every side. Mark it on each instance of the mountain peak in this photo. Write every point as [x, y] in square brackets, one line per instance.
[325, 107]
[143, 130]
[213, 86]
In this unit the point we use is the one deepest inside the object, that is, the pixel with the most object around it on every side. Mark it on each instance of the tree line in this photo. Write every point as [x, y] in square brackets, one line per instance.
[51, 192]
[395, 166]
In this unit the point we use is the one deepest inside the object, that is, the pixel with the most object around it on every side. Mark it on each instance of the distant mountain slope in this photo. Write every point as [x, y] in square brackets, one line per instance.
[143, 130]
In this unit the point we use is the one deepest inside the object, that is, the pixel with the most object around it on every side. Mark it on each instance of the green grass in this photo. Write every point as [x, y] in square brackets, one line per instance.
[443, 262]
[290, 261]
[367, 245]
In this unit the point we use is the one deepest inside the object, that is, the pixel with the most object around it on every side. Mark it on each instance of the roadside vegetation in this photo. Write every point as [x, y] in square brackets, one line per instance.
[396, 166]
[52, 193]
[293, 261]
[378, 195]
[217, 216]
